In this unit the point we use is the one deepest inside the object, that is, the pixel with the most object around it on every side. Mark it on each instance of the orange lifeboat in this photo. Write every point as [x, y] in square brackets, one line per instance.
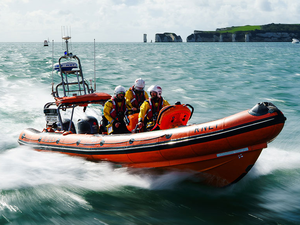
[220, 151]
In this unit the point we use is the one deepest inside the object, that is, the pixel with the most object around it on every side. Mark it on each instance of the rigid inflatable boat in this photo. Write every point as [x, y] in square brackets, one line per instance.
[221, 152]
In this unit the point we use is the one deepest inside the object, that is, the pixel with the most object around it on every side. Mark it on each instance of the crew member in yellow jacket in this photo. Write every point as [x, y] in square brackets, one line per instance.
[114, 111]
[149, 110]
[135, 96]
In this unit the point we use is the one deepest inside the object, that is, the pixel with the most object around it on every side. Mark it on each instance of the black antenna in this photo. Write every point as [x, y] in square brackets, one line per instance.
[94, 66]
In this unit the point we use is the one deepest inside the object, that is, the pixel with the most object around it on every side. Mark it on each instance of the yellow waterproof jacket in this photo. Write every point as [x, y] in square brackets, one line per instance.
[146, 106]
[107, 109]
[130, 98]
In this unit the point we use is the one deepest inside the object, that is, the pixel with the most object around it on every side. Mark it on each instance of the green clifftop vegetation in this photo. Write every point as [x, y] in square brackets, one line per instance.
[265, 28]
[237, 29]
[256, 33]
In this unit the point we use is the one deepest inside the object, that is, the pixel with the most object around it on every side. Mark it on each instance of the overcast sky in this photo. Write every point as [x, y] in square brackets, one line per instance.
[128, 20]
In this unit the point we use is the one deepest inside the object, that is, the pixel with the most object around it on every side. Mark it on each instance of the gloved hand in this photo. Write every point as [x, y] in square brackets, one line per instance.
[117, 124]
[140, 125]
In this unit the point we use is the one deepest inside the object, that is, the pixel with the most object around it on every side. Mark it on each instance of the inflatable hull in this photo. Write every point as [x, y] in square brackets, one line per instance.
[221, 151]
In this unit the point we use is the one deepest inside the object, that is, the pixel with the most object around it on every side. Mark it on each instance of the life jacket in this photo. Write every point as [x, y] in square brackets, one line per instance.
[152, 113]
[137, 100]
[117, 112]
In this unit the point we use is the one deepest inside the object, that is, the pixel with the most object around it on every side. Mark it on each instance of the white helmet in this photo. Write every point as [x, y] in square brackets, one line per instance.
[156, 89]
[119, 89]
[139, 84]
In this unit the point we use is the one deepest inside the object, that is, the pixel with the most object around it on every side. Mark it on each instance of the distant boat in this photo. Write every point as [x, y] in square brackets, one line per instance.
[295, 41]
[45, 43]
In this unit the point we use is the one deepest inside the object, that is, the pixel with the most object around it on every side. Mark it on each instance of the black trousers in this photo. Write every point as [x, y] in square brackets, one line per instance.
[121, 129]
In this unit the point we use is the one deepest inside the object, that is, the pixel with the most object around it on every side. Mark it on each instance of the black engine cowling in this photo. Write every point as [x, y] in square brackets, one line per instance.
[88, 125]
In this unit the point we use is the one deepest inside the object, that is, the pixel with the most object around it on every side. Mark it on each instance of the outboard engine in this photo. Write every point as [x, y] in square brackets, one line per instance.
[51, 117]
[88, 125]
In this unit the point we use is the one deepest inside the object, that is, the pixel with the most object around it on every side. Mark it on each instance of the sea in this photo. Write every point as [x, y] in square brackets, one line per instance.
[217, 79]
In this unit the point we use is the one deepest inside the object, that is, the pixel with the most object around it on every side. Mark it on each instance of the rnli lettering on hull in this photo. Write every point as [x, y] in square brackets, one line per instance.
[201, 129]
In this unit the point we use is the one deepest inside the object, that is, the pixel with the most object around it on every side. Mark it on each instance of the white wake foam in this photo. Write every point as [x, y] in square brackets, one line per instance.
[24, 167]
[273, 159]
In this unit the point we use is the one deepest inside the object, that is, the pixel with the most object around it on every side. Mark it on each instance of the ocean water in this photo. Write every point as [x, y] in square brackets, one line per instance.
[217, 79]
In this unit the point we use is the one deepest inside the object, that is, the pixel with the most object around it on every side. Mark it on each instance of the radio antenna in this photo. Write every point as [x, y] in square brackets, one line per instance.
[66, 35]
[52, 64]
[94, 66]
